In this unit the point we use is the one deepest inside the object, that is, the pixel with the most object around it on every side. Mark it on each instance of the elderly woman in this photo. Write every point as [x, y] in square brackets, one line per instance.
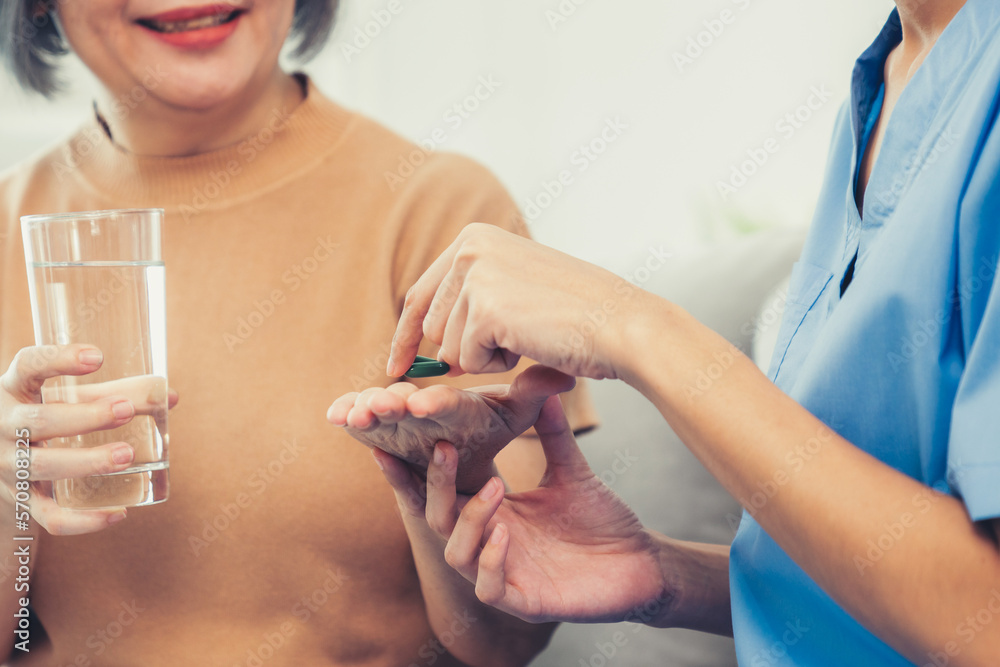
[868, 458]
[288, 259]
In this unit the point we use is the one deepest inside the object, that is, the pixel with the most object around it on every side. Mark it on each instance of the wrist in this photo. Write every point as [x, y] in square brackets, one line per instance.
[696, 586]
[673, 359]
[650, 324]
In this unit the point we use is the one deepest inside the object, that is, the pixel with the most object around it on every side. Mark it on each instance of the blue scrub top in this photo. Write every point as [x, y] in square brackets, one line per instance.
[906, 364]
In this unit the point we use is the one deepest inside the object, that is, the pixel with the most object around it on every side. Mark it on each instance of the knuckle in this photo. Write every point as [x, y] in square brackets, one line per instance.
[24, 369]
[486, 596]
[102, 464]
[435, 524]
[452, 557]
[409, 298]
[54, 524]
[413, 298]
[21, 359]
[31, 416]
[42, 467]
[431, 332]
[435, 478]
[449, 357]
[410, 505]
[467, 255]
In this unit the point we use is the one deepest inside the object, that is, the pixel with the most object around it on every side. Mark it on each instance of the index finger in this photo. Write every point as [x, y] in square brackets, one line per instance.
[410, 329]
[33, 365]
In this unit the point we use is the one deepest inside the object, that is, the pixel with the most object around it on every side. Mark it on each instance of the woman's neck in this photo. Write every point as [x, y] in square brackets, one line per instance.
[924, 20]
[154, 127]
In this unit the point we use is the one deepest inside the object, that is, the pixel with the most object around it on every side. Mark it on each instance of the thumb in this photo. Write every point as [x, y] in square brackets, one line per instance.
[532, 388]
[562, 454]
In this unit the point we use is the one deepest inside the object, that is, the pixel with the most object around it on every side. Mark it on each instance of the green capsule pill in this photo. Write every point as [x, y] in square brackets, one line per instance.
[425, 367]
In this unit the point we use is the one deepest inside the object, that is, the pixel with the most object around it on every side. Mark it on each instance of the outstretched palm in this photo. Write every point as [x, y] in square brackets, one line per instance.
[576, 553]
[406, 421]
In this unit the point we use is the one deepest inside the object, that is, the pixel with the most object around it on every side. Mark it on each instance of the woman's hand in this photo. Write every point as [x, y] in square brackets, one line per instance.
[102, 407]
[570, 550]
[494, 296]
[406, 422]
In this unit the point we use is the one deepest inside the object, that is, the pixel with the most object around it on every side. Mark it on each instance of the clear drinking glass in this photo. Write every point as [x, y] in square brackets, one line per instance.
[98, 278]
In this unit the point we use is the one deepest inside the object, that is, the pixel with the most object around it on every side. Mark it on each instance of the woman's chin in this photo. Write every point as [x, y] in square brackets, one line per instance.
[202, 95]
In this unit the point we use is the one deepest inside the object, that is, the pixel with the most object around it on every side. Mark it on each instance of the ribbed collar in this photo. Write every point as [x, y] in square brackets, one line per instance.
[292, 142]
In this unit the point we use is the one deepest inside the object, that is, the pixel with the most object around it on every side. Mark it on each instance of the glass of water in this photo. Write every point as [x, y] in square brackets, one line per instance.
[98, 278]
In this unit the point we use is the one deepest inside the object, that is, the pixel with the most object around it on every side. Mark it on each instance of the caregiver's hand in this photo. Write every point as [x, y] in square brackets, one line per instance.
[494, 296]
[23, 417]
[406, 421]
[570, 550]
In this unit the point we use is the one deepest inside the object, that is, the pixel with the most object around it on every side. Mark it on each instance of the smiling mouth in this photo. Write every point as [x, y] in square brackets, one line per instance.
[190, 24]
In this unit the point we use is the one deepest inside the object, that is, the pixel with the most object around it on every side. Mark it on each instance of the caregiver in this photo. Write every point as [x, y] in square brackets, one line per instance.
[867, 460]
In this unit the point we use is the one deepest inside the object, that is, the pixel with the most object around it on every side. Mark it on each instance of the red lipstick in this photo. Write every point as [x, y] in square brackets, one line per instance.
[201, 28]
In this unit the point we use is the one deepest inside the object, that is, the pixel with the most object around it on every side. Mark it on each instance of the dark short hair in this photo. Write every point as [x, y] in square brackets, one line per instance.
[30, 41]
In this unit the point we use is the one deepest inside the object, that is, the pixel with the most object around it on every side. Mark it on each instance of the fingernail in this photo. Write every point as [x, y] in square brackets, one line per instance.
[116, 517]
[377, 461]
[122, 410]
[498, 532]
[122, 454]
[389, 366]
[438, 456]
[90, 357]
[490, 490]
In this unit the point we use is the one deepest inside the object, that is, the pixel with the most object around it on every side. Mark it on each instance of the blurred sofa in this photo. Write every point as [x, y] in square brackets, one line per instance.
[733, 288]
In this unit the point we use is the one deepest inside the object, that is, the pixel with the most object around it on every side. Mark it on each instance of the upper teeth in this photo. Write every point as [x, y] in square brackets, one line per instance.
[192, 24]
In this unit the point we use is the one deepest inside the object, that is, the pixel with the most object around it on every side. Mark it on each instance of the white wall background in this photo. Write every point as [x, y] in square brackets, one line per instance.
[559, 84]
